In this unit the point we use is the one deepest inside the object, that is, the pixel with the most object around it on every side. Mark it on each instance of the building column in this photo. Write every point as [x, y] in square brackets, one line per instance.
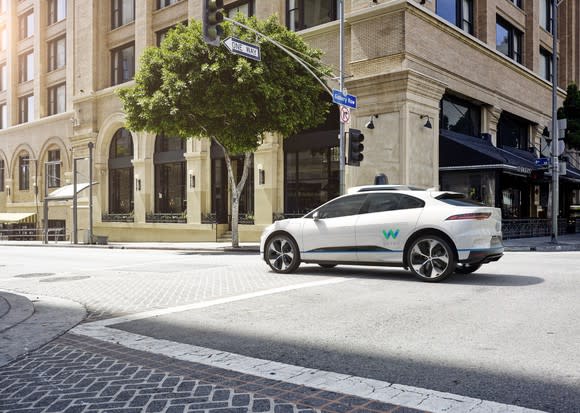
[140, 183]
[400, 145]
[193, 184]
[267, 167]
[489, 121]
[532, 36]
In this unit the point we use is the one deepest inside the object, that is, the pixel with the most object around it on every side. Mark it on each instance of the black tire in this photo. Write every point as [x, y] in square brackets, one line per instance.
[327, 265]
[430, 258]
[466, 268]
[281, 254]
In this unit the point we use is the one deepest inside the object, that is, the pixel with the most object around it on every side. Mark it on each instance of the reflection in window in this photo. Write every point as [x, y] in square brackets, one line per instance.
[121, 173]
[303, 14]
[122, 64]
[56, 53]
[460, 116]
[512, 131]
[170, 175]
[3, 116]
[56, 11]
[545, 64]
[546, 14]
[478, 186]
[246, 7]
[26, 25]
[508, 40]
[53, 168]
[1, 175]
[57, 99]
[164, 3]
[26, 109]
[24, 172]
[311, 178]
[457, 12]
[122, 12]
[342, 207]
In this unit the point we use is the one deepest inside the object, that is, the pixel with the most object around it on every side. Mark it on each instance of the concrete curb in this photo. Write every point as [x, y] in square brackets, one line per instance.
[34, 321]
[154, 246]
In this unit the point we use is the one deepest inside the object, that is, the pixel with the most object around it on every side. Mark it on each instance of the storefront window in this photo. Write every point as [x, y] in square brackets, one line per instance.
[460, 116]
[121, 173]
[479, 186]
[170, 175]
[512, 131]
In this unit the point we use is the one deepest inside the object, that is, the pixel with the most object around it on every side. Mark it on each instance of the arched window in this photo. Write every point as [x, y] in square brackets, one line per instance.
[121, 173]
[170, 167]
[24, 171]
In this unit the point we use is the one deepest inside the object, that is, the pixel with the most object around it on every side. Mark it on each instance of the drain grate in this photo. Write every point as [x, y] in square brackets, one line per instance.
[60, 279]
[34, 275]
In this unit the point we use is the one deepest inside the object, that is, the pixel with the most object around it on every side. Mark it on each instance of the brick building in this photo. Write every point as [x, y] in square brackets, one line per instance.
[477, 70]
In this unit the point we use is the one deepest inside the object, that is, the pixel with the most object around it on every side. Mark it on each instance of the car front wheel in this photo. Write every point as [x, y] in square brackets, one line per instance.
[282, 254]
[430, 258]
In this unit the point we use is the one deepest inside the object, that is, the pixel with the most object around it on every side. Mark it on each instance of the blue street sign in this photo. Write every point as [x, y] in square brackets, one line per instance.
[542, 162]
[344, 100]
[239, 47]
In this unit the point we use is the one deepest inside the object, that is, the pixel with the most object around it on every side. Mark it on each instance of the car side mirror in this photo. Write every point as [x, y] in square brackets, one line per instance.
[316, 216]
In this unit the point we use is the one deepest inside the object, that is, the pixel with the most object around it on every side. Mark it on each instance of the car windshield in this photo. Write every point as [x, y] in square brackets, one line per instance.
[457, 199]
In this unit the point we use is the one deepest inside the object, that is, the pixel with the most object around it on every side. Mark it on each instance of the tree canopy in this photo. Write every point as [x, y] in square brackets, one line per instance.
[571, 111]
[187, 88]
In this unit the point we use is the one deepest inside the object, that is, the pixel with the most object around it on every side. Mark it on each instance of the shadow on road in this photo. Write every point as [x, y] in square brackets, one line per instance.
[390, 274]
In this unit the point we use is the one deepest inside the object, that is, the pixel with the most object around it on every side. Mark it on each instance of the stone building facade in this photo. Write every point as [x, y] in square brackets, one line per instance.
[407, 61]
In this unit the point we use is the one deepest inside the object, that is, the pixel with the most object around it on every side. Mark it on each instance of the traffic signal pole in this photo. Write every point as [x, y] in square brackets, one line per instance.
[341, 137]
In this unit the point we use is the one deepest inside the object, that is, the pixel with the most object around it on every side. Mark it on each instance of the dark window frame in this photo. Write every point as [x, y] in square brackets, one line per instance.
[546, 22]
[52, 53]
[332, 209]
[465, 25]
[120, 164]
[398, 200]
[117, 69]
[474, 117]
[24, 172]
[2, 179]
[52, 13]
[161, 4]
[23, 67]
[23, 26]
[517, 3]
[52, 97]
[546, 61]
[515, 39]
[2, 120]
[229, 7]
[53, 169]
[117, 18]
[23, 108]
[300, 9]
[169, 154]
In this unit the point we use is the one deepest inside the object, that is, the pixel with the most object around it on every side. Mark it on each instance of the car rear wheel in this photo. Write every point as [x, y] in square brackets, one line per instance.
[430, 258]
[467, 268]
[282, 254]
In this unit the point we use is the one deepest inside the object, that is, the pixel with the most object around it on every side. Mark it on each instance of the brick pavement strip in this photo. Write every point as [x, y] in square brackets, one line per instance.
[75, 374]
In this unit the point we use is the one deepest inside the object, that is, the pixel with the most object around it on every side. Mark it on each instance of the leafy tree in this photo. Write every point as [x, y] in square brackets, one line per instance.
[571, 111]
[188, 89]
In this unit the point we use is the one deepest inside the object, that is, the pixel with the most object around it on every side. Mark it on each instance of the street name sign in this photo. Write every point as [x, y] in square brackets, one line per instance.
[542, 162]
[342, 99]
[239, 47]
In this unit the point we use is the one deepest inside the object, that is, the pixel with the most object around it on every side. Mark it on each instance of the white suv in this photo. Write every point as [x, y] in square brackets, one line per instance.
[431, 233]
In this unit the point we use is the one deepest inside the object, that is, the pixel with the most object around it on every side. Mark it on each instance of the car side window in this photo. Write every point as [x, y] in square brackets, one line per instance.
[410, 202]
[391, 202]
[381, 203]
[349, 205]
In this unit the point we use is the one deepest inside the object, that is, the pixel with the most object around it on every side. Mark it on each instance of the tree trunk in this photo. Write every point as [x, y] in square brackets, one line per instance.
[237, 189]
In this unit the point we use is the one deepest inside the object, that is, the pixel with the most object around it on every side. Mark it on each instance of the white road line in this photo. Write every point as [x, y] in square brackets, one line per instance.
[408, 396]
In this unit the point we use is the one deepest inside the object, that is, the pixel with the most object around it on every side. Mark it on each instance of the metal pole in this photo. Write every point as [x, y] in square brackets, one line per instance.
[75, 223]
[341, 87]
[555, 132]
[91, 146]
[45, 204]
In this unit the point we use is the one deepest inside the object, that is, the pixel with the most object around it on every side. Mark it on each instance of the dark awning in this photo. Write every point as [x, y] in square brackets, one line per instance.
[572, 174]
[459, 152]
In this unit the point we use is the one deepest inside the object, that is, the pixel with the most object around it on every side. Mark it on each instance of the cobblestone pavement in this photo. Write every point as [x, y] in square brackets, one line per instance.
[76, 374]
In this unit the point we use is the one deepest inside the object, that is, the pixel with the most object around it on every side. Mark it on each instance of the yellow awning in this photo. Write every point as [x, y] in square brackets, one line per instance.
[17, 217]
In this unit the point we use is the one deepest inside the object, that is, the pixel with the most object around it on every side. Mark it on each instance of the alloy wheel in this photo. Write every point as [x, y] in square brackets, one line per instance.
[282, 254]
[431, 259]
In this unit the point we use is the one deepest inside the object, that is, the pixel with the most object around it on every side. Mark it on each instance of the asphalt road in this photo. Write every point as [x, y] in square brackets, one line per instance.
[508, 333]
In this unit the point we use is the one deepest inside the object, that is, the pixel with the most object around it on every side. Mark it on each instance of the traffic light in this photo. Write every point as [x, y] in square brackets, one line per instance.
[355, 147]
[212, 18]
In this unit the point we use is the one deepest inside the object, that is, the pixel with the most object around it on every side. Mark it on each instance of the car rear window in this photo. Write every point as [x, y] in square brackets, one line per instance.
[458, 200]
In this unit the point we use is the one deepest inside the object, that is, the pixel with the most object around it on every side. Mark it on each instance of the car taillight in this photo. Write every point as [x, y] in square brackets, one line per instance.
[471, 215]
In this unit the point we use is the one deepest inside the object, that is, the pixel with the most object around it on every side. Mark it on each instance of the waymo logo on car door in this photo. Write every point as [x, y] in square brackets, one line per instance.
[391, 233]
